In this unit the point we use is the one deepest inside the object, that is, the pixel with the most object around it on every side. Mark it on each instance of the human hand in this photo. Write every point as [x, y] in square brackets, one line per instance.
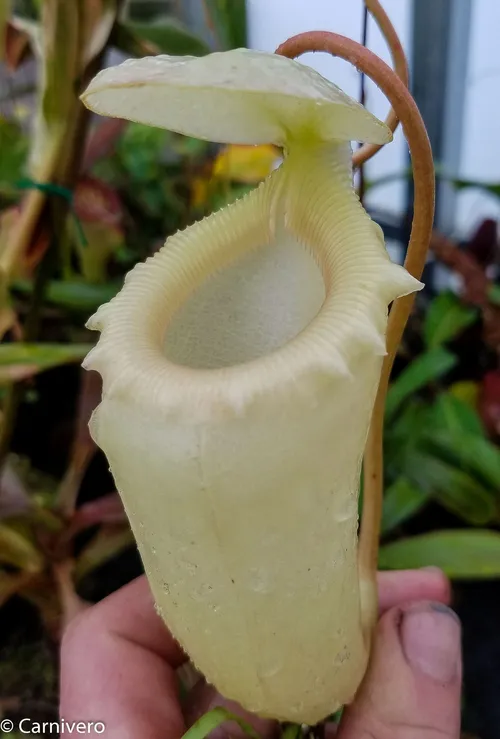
[118, 665]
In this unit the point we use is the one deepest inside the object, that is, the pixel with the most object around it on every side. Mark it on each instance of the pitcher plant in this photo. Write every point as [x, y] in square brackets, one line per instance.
[244, 373]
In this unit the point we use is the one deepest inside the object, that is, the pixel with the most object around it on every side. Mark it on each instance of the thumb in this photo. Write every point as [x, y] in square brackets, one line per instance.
[412, 687]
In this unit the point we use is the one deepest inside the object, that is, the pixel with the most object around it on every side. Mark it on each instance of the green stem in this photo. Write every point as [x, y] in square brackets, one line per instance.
[15, 392]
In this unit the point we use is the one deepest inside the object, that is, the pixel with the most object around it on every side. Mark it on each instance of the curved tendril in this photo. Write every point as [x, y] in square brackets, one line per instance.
[405, 109]
[400, 67]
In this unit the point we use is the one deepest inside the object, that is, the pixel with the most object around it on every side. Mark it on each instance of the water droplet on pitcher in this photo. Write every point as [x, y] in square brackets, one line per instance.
[261, 587]
[322, 586]
[271, 671]
[341, 657]
[203, 592]
[342, 516]
[259, 581]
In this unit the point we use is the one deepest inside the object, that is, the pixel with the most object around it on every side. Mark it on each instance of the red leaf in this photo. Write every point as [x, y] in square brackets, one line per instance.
[489, 402]
[97, 202]
[484, 243]
[17, 47]
[108, 509]
[102, 140]
[38, 245]
[84, 446]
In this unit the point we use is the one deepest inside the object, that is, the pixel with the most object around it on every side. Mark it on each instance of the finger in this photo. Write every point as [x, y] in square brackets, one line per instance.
[105, 652]
[412, 687]
[397, 588]
[118, 666]
[124, 630]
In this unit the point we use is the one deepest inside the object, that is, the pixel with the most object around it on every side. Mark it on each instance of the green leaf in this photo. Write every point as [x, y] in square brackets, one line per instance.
[446, 318]
[410, 421]
[19, 361]
[18, 551]
[428, 367]
[215, 718]
[471, 453]
[291, 731]
[103, 242]
[106, 544]
[337, 716]
[5, 11]
[228, 196]
[14, 148]
[455, 416]
[401, 501]
[145, 10]
[59, 26]
[494, 294]
[188, 147]
[229, 22]
[140, 150]
[74, 294]
[459, 184]
[491, 187]
[402, 436]
[461, 554]
[467, 391]
[452, 487]
[456, 433]
[10, 583]
[171, 37]
[164, 37]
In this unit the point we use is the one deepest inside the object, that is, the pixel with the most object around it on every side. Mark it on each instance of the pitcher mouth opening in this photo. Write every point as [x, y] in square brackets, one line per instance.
[249, 309]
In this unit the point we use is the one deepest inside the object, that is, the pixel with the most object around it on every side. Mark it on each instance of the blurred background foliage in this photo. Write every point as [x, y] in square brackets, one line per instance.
[81, 201]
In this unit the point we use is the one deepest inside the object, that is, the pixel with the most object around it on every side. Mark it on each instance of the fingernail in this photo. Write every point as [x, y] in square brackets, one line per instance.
[431, 641]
